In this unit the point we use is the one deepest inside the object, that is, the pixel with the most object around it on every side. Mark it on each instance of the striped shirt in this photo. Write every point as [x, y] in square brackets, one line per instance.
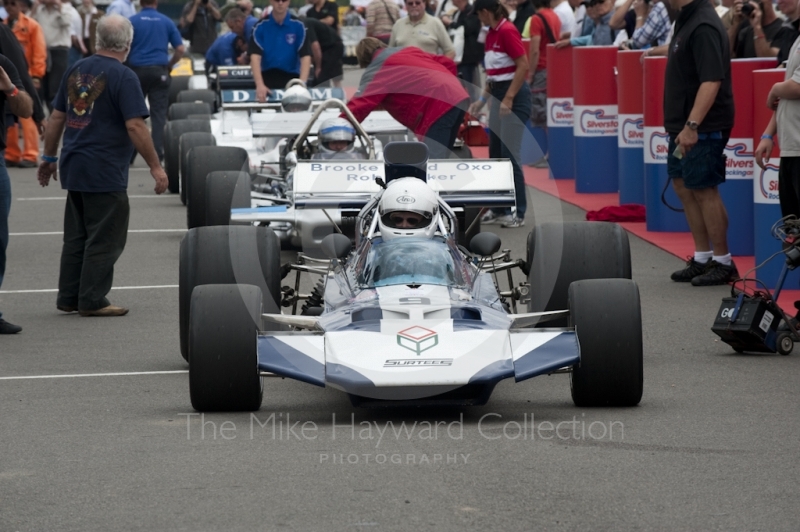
[503, 46]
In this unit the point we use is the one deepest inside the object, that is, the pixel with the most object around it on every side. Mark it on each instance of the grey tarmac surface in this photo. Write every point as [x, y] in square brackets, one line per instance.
[712, 446]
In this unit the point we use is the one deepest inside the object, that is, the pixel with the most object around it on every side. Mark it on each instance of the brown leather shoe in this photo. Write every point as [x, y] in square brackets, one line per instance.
[64, 308]
[110, 310]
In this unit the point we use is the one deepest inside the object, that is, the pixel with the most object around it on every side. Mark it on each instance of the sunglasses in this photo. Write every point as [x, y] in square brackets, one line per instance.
[280, 1]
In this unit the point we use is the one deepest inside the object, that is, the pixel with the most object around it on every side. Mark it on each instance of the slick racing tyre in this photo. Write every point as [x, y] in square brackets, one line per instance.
[228, 255]
[172, 135]
[178, 84]
[607, 318]
[178, 111]
[563, 253]
[223, 353]
[199, 95]
[186, 143]
[200, 163]
[226, 191]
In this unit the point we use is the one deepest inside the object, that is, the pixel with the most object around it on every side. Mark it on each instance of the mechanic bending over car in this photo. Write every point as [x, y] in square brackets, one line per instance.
[279, 50]
[506, 68]
[337, 139]
[399, 218]
[420, 90]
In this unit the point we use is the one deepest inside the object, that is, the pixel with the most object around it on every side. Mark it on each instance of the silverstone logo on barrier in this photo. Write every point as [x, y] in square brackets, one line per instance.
[417, 339]
[559, 112]
[596, 121]
[740, 163]
[657, 146]
[631, 131]
[766, 187]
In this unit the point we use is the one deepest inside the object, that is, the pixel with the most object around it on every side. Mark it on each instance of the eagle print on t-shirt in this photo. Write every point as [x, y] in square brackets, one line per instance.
[82, 91]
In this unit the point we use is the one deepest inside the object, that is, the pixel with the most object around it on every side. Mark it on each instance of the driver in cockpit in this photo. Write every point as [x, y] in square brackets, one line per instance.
[337, 140]
[408, 208]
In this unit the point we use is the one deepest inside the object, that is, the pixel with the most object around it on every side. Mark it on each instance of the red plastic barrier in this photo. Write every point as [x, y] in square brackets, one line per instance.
[737, 194]
[593, 75]
[559, 72]
[763, 80]
[656, 143]
[630, 82]
[560, 112]
[595, 118]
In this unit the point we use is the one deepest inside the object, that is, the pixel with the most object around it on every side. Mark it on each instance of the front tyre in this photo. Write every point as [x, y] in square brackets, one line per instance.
[608, 322]
[223, 348]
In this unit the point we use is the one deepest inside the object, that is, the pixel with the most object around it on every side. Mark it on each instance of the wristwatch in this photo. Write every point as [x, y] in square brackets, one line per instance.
[691, 124]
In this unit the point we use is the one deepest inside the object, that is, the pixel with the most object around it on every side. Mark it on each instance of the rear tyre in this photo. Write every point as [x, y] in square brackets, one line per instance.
[186, 143]
[226, 191]
[608, 322]
[223, 348]
[178, 111]
[202, 162]
[172, 135]
[176, 85]
[199, 95]
[228, 255]
[573, 251]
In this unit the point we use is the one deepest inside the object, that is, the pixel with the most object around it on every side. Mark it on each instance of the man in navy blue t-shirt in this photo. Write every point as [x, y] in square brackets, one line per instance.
[279, 51]
[101, 112]
[153, 32]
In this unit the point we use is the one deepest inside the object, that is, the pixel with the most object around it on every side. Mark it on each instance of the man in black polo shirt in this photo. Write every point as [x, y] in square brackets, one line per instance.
[698, 115]
[328, 59]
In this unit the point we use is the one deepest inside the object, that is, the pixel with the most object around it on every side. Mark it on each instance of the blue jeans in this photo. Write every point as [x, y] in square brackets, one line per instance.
[5, 207]
[505, 135]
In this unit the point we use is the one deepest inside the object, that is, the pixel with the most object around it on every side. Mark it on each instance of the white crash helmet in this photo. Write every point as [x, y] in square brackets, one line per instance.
[334, 129]
[296, 99]
[408, 208]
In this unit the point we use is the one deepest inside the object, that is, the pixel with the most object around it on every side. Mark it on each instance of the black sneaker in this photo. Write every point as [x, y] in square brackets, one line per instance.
[716, 273]
[692, 270]
[8, 328]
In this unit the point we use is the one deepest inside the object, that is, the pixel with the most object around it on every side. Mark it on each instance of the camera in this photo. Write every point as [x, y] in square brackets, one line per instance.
[747, 8]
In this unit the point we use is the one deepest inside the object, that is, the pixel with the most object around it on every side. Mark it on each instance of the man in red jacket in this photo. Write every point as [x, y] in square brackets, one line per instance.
[420, 90]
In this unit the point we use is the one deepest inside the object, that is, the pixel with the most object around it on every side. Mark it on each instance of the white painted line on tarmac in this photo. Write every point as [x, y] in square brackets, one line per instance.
[152, 287]
[46, 233]
[132, 196]
[77, 375]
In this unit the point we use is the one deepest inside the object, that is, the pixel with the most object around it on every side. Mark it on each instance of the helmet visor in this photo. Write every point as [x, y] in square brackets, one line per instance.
[406, 220]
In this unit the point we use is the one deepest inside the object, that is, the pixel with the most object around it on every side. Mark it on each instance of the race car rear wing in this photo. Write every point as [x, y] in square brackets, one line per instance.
[291, 124]
[246, 98]
[351, 184]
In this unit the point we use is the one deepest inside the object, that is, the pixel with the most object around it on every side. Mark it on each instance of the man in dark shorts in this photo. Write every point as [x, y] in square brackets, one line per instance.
[698, 115]
[100, 103]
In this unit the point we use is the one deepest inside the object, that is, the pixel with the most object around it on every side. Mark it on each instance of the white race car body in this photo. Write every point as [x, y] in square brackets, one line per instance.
[410, 319]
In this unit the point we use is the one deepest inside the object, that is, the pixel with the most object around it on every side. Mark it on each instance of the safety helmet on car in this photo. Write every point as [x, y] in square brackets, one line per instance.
[337, 130]
[408, 208]
[296, 99]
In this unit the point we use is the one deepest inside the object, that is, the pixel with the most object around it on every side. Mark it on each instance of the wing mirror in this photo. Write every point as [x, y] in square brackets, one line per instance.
[338, 246]
[484, 244]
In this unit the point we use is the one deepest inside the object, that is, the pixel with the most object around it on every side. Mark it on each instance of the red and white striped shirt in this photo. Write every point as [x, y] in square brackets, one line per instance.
[503, 46]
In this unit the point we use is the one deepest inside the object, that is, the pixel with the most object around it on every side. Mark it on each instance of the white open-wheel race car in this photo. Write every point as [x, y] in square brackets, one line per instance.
[244, 155]
[409, 320]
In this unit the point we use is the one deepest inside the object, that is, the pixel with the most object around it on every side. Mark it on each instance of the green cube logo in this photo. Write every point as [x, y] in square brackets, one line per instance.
[417, 339]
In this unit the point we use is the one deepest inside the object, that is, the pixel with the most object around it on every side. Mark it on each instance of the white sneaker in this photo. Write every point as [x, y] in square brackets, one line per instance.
[514, 222]
[504, 219]
[488, 218]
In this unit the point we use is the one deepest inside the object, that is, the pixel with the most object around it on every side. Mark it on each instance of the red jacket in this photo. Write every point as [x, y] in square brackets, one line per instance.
[417, 88]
